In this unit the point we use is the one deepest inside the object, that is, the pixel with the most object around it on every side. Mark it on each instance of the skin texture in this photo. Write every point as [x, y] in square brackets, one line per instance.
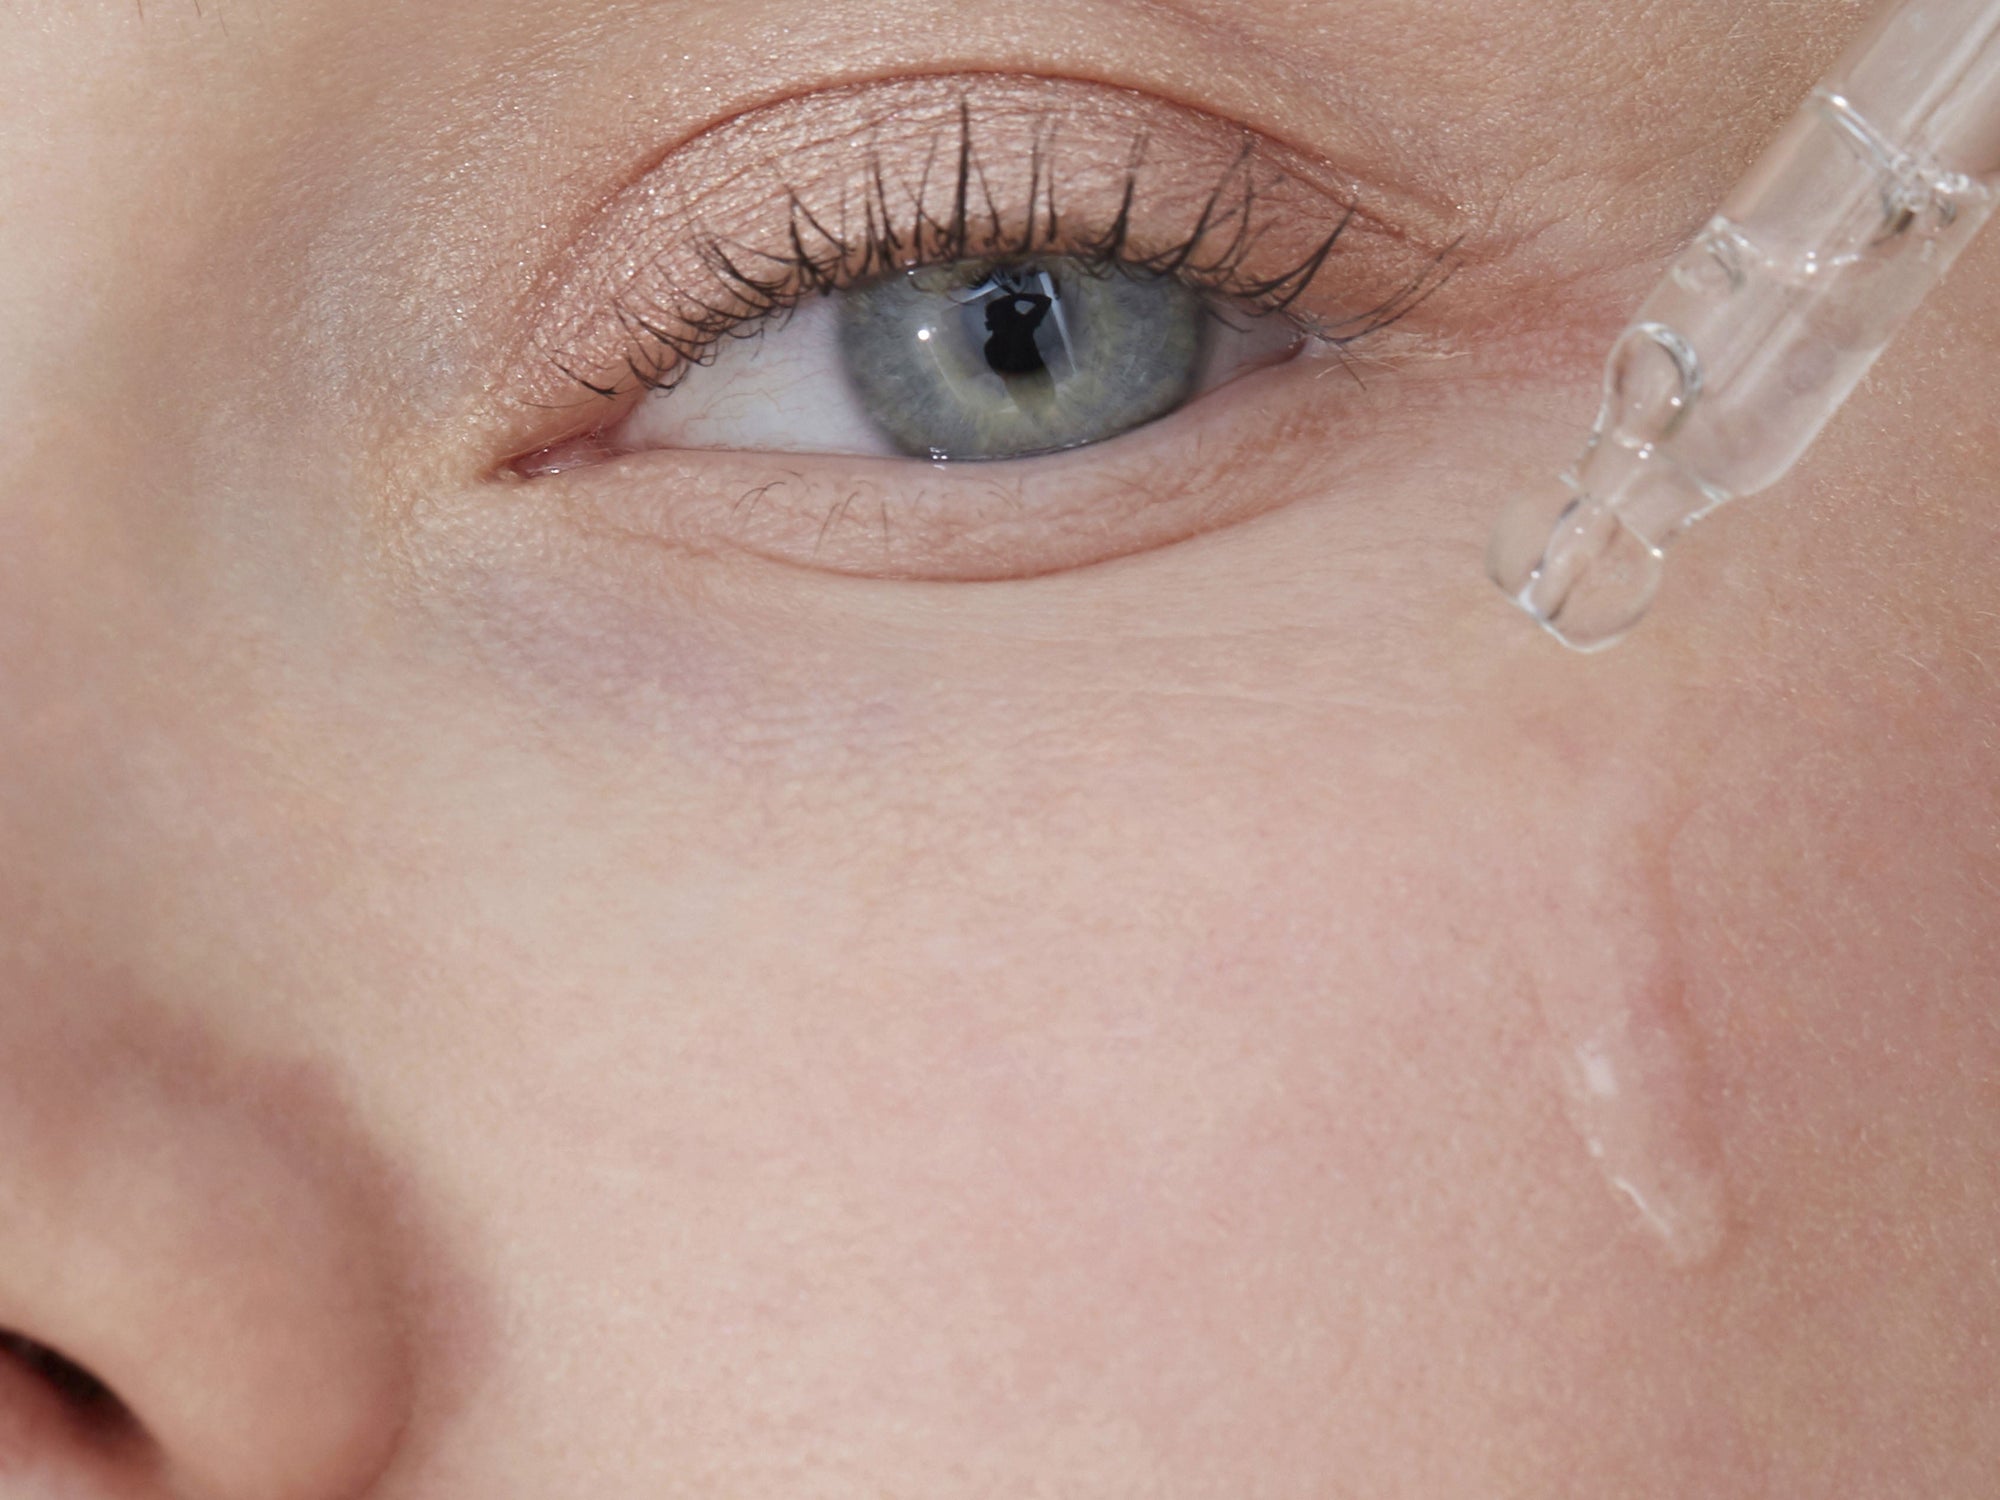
[499, 999]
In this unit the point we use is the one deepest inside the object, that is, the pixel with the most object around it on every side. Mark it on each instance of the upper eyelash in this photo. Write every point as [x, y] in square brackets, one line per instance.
[753, 288]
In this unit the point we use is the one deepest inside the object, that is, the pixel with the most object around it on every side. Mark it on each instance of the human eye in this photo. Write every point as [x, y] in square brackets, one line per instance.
[1027, 286]
[966, 360]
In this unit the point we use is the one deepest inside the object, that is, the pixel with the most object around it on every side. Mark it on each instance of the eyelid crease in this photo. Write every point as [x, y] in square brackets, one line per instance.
[754, 215]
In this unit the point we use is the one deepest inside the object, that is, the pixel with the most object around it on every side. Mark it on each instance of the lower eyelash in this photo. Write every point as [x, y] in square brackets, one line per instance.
[747, 289]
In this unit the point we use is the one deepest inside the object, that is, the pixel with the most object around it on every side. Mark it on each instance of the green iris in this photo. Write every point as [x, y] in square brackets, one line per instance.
[982, 360]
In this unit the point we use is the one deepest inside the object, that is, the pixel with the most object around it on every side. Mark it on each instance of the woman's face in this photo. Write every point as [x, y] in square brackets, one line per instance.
[744, 970]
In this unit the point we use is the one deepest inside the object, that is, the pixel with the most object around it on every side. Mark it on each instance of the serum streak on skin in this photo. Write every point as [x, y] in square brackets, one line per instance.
[1608, 985]
[1633, 1089]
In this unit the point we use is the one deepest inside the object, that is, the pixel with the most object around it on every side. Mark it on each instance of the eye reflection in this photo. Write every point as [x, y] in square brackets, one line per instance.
[1014, 317]
[975, 360]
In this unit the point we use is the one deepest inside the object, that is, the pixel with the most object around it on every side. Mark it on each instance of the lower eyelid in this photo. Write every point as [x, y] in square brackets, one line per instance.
[1248, 448]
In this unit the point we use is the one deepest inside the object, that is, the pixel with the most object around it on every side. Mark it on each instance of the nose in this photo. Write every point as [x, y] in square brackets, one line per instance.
[197, 1280]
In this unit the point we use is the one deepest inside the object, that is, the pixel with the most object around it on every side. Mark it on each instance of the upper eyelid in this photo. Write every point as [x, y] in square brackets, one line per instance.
[644, 247]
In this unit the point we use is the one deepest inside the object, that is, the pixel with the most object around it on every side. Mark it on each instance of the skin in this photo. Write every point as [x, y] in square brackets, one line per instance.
[497, 1003]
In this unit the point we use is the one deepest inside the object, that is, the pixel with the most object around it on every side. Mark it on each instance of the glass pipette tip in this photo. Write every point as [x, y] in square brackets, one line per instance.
[1767, 321]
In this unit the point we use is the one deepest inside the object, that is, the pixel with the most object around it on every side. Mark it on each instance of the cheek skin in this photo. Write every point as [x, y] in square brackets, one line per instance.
[1134, 984]
[1084, 1014]
[1248, 1078]
[1140, 959]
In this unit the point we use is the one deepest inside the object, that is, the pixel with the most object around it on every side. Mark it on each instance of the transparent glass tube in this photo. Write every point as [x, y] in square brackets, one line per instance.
[1771, 316]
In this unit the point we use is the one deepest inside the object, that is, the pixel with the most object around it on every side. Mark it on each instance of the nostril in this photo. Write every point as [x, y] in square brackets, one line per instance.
[82, 1394]
[65, 1434]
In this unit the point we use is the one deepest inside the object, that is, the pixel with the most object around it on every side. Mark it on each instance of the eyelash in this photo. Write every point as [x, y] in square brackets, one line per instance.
[671, 334]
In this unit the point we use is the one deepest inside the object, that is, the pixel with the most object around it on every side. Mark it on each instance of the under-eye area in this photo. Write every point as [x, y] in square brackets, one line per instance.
[1247, 449]
[960, 271]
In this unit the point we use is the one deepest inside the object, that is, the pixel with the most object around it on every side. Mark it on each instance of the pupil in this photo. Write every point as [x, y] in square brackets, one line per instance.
[1012, 321]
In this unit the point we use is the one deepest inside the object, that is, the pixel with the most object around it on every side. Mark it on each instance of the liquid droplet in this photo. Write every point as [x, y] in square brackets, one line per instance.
[1608, 984]
[1633, 1092]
